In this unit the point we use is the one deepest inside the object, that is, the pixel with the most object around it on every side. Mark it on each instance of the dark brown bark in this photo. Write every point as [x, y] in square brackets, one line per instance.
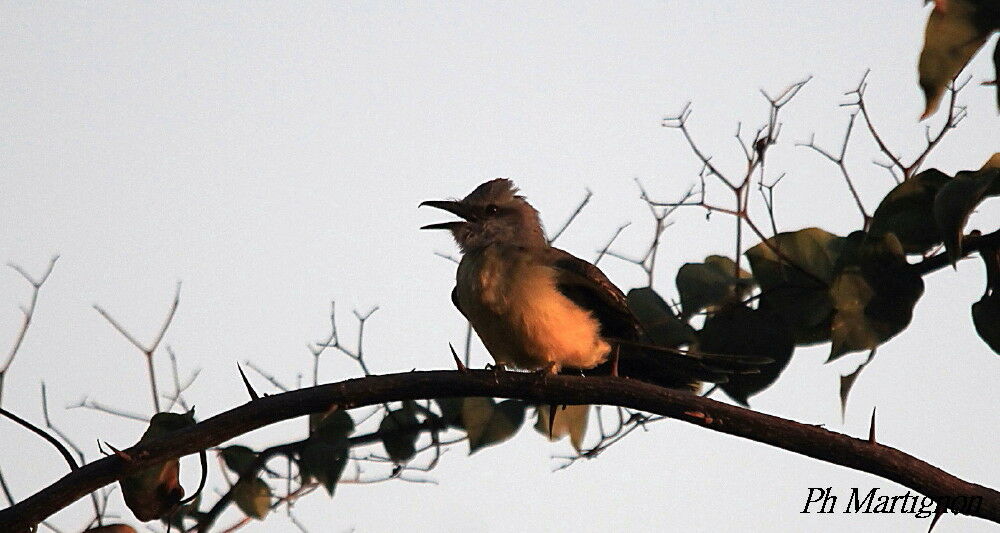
[970, 244]
[813, 441]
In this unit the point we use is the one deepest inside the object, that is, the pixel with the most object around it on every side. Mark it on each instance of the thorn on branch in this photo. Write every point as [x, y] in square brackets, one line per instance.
[938, 513]
[246, 382]
[704, 418]
[871, 429]
[120, 454]
[458, 362]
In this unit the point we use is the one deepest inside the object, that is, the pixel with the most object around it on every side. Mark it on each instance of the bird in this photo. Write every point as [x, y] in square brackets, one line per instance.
[539, 308]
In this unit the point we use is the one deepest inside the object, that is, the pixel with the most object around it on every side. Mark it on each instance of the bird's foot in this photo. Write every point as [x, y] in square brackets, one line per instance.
[497, 369]
[550, 369]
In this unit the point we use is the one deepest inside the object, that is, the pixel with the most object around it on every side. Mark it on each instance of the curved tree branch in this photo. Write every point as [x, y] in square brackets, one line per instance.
[859, 454]
[970, 244]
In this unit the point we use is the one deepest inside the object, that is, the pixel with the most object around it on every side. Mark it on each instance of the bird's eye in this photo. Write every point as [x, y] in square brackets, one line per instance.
[492, 209]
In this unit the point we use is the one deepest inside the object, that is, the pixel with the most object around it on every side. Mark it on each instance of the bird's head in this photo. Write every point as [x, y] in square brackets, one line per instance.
[492, 214]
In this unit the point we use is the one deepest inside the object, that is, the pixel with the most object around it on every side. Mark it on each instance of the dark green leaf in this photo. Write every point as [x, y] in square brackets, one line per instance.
[164, 423]
[324, 461]
[154, 492]
[955, 202]
[253, 497]
[873, 298]
[996, 71]
[739, 330]
[570, 420]
[239, 459]
[331, 427]
[189, 511]
[488, 423]
[451, 411]
[986, 312]
[794, 273]
[399, 434]
[908, 212]
[954, 34]
[847, 382]
[992, 163]
[709, 284]
[658, 321]
[986, 317]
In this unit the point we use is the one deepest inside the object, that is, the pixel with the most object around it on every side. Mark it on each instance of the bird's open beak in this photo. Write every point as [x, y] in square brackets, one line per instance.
[451, 206]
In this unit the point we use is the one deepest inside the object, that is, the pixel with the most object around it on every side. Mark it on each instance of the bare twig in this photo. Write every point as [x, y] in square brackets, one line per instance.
[333, 340]
[468, 343]
[572, 216]
[177, 398]
[98, 513]
[604, 250]
[28, 314]
[96, 406]
[625, 426]
[768, 198]
[151, 348]
[264, 374]
[956, 114]
[679, 121]
[754, 151]
[648, 260]
[839, 161]
[448, 257]
[6, 490]
[73, 465]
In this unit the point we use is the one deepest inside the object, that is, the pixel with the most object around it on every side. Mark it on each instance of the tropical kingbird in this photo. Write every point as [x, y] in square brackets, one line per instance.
[537, 307]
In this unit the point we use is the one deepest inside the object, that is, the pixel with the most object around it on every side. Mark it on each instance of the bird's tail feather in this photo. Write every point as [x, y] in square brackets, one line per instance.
[674, 368]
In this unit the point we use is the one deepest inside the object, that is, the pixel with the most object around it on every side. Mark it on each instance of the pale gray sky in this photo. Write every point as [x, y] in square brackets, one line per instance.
[272, 156]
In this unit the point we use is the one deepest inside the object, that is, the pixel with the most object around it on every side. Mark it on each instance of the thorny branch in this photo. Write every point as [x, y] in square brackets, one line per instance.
[860, 454]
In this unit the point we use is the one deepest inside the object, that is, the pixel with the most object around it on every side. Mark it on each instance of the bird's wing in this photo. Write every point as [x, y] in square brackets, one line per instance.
[586, 286]
[589, 288]
[454, 300]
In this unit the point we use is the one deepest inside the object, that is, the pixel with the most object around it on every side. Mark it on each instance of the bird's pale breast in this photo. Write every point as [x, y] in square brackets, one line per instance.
[511, 298]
